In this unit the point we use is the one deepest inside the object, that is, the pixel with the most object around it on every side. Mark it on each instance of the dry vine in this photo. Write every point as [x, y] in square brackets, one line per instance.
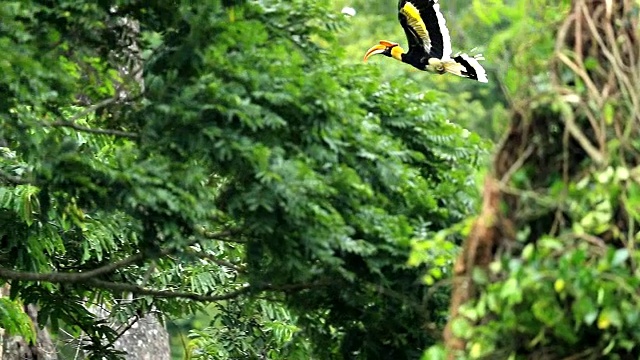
[595, 102]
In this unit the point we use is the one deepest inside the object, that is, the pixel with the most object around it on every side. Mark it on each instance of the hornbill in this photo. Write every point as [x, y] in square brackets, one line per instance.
[429, 42]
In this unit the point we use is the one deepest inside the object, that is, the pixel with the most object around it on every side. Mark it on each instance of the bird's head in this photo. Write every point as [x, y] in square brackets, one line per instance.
[387, 48]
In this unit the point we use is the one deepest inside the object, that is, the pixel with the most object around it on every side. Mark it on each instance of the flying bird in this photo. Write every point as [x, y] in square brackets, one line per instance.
[429, 43]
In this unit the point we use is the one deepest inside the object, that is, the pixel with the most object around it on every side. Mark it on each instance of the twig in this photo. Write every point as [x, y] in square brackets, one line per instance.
[227, 264]
[136, 318]
[593, 90]
[581, 355]
[591, 239]
[220, 262]
[92, 108]
[579, 136]
[222, 235]
[614, 60]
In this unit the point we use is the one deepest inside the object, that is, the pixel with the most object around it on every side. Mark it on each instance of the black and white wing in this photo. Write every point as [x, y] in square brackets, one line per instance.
[425, 27]
[470, 67]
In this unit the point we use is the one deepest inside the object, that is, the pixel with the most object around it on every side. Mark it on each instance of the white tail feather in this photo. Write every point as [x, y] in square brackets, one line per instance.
[466, 66]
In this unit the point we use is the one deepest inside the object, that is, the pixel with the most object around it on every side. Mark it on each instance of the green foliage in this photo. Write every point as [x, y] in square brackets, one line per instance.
[566, 294]
[15, 321]
[439, 250]
[257, 330]
[247, 158]
[479, 107]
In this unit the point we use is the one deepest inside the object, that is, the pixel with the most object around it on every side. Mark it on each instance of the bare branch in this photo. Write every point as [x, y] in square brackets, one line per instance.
[517, 165]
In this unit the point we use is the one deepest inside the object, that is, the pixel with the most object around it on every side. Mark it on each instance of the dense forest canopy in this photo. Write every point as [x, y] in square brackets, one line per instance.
[233, 169]
[223, 152]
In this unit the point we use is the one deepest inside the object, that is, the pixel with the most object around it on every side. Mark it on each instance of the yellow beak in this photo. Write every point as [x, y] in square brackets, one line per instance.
[379, 49]
[376, 49]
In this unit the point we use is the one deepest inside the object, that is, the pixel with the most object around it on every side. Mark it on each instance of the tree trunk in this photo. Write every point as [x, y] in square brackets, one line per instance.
[147, 339]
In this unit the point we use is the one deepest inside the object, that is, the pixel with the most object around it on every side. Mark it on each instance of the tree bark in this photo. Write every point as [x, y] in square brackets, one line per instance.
[147, 339]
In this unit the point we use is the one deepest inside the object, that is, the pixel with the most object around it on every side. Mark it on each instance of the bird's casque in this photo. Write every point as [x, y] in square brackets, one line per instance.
[429, 42]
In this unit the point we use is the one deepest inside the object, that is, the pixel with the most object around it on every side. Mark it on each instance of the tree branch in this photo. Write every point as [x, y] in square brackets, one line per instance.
[58, 277]
[173, 294]
[69, 277]
[88, 278]
[167, 294]
[136, 318]
[65, 123]
[70, 123]
[92, 108]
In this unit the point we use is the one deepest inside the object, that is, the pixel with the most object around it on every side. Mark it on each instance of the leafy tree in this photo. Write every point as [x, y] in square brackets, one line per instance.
[162, 157]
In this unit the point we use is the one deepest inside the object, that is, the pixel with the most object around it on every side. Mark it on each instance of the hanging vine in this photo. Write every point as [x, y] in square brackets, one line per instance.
[561, 206]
